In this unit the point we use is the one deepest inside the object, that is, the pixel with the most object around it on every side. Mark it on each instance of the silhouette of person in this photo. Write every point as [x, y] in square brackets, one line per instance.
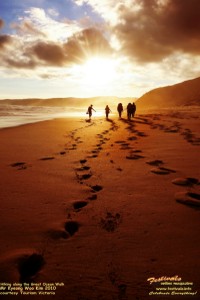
[133, 110]
[129, 111]
[107, 110]
[90, 109]
[120, 109]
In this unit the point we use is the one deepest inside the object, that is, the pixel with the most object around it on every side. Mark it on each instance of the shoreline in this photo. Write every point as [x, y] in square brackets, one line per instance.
[100, 113]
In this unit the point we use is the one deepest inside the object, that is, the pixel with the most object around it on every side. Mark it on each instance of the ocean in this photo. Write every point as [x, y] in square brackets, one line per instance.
[15, 115]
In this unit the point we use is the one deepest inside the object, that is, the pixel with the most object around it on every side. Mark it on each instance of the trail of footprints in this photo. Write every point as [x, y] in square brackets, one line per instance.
[21, 165]
[190, 198]
[176, 127]
[30, 265]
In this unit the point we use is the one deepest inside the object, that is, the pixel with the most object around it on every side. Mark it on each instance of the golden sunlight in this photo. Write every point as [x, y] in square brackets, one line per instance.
[99, 71]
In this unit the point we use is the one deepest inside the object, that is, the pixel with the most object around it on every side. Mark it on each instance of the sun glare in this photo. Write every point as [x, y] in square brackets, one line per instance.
[99, 71]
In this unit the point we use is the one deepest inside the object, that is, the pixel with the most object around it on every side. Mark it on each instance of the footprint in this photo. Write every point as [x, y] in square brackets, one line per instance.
[19, 165]
[171, 130]
[62, 152]
[47, 158]
[189, 181]
[188, 198]
[96, 188]
[125, 148]
[162, 171]
[29, 266]
[84, 176]
[95, 151]
[136, 151]
[79, 204]
[57, 234]
[84, 168]
[94, 156]
[132, 138]
[102, 142]
[120, 142]
[93, 197]
[72, 227]
[83, 161]
[110, 222]
[142, 134]
[134, 156]
[72, 148]
[156, 162]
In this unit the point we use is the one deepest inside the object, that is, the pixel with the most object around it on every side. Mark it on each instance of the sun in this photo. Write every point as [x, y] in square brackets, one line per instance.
[99, 71]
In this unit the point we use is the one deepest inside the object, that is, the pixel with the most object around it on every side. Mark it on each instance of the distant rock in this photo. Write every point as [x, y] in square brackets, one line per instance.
[186, 93]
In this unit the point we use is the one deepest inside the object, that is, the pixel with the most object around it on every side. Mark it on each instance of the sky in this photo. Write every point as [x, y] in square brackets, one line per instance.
[87, 48]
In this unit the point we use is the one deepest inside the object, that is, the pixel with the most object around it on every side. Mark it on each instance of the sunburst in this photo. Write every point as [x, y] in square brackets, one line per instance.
[99, 72]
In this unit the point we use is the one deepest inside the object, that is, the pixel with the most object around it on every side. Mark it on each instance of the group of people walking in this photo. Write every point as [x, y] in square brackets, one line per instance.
[131, 109]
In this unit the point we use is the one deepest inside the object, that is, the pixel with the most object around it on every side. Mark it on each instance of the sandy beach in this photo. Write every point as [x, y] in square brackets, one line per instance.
[100, 207]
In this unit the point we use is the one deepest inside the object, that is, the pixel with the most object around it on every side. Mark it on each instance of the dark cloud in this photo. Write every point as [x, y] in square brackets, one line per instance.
[50, 53]
[1, 23]
[77, 49]
[4, 40]
[159, 29]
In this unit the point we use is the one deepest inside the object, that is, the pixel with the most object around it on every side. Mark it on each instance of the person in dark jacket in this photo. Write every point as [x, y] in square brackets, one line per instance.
[129, 111]
[90, 109]
[133, 110]
[120, 109]
[107, 111]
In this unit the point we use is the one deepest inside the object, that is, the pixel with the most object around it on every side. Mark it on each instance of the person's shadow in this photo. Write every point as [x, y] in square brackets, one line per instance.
[109, 120]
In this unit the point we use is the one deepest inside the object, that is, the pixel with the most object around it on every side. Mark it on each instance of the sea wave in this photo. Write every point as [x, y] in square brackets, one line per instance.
[14, 115]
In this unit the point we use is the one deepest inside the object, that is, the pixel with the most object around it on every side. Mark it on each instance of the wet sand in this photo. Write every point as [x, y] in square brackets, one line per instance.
[101, 206]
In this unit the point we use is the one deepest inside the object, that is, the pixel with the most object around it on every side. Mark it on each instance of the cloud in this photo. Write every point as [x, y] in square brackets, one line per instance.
[105, 8]
[39, 53]
[50, 53]
[25, 63]
[149, 31]
[159, 29]
[53, 12]
[52, 29]
[38, 41]
[1, 23]
[77, 49]
[87, 43]
[4, 40]
[27, 27]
